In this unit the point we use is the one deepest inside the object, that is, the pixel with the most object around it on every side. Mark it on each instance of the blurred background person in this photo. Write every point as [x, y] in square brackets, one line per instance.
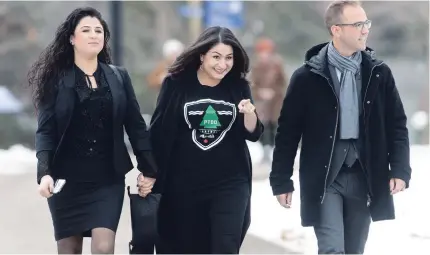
[171, 50]
[269, 83]
[420, 118]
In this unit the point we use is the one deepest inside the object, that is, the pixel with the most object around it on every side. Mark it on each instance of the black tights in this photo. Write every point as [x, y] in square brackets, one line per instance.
[102, 242]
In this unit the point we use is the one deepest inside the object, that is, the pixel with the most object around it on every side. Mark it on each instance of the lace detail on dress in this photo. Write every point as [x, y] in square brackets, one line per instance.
[91, 133]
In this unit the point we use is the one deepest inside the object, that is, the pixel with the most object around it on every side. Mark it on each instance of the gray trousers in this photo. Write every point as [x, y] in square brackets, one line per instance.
[344, 215]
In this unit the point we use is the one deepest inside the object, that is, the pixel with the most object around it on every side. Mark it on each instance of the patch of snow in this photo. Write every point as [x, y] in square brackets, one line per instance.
[256, 151]
[17, 160]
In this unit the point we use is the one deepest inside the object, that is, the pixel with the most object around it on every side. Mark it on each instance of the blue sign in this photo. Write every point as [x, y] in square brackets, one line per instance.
[223, 13]
[190, 12]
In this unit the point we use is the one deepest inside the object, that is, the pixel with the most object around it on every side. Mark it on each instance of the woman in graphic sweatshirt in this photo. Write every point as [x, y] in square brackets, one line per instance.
[204, 116]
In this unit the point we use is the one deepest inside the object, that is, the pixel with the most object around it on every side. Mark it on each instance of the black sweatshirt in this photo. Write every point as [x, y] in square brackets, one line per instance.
[198, 135]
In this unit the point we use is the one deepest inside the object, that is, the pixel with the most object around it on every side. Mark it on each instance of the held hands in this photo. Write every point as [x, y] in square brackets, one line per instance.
[397, 185]
[144, 185]
[246, 107]
[46, 186]
[285, 199]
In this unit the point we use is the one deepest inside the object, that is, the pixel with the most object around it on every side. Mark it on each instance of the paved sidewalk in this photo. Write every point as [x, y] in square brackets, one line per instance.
[26, 227]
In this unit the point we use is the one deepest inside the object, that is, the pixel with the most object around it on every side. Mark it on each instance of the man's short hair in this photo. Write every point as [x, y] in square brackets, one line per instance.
[334, 11]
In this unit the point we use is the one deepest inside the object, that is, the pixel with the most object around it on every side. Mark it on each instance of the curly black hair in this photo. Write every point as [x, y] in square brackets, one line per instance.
[58, 56]
[189, 60]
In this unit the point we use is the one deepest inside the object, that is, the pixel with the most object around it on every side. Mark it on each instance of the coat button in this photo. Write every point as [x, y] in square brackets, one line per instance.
[331, 137]
[325, 166]
[368, 102]
[377, 75]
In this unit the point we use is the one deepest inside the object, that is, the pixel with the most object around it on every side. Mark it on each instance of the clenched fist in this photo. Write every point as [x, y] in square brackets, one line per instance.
[397, 185]
[246, 107]
[46, 186]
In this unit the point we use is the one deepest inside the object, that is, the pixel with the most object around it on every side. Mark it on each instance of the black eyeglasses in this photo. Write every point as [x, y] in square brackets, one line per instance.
[359, 25]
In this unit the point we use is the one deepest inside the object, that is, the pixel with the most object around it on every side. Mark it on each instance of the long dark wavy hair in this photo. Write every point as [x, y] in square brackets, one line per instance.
[58, 56]
[189, 60]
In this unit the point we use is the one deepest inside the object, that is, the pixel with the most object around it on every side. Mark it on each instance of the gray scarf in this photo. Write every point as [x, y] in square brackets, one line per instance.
[348, 96]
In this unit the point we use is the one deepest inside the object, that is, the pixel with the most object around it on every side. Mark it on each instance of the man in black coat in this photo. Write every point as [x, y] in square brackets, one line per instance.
[344, 105]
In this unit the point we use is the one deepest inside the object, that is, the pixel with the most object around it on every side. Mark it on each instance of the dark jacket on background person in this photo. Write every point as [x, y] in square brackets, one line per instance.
[311, 112]
[54, 118]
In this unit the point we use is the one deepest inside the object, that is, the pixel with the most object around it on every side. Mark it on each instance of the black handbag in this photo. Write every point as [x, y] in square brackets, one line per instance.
[143, 212]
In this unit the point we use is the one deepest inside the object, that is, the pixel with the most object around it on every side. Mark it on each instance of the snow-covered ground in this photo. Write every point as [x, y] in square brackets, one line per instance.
[409, 233]
[17, 160]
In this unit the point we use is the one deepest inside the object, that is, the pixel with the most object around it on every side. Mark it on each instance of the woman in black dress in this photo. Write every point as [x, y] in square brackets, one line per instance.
[204, 116]
[83, 105]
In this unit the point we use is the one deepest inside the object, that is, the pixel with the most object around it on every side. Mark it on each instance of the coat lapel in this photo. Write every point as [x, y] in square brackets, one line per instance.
[65, 104]
[334, 79]
[66, 97]
[116, 90]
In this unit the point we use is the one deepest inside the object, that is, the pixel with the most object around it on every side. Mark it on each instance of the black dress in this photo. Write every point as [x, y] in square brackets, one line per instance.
[93, 195]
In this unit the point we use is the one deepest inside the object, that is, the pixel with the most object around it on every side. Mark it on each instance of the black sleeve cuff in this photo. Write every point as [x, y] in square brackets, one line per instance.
[43, 164]
[256, 134]
[279, 188]
[402, 176]
[146, 164]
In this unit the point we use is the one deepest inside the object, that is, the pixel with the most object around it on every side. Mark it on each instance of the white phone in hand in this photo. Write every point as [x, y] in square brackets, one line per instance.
[59, 184]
